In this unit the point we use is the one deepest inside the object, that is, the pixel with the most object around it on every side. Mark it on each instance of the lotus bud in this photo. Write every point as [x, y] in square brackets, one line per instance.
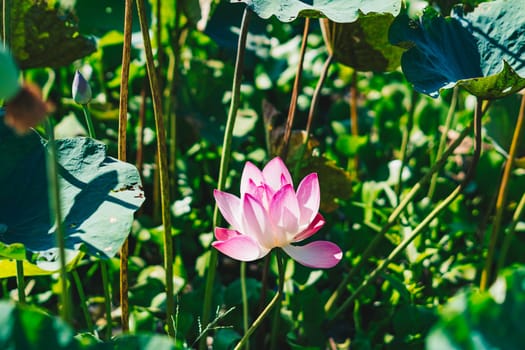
[81, 89]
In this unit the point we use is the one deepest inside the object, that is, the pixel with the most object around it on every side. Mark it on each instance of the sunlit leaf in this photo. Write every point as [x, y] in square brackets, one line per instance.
[99, 195]
[341, 11]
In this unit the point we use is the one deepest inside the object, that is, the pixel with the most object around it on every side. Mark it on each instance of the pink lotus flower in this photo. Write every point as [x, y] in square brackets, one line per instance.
[271, 214]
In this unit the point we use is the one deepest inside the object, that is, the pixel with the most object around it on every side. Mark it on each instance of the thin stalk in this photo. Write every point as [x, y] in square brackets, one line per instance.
[392, 219]
[139, 160]
[405, 141]
[107, 297]
[122, 137]
[83, 301]
[89, 121]
[6, 32]
[354, 119]
[520, 209]
[427, 220]
[443, 140]
[225, 159]
[56, 217]
[157, 33]
[244, 300]
[295, 92]
[486, 275]
[262, 297]
[20, 282]
[275, 325]
[163, 167]
[268, 308]
[313, 109]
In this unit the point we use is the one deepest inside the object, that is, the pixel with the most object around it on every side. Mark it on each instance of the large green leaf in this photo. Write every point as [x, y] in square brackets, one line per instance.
[99, 195]
[43, 37]
[341, 11]
[29, 328]
[483, 51]
[484, 320]
[363, 44]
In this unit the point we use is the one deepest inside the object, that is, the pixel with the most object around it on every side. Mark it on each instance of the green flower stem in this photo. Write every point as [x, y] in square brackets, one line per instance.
[6, 21]
[268, 307]
[486, 275]
[107, 297]
[20, 282]
[56, 217]
[162, 156]
[404, 143]
[354, 123]
[295, 92]
[225, 159]
[276, 324]
[392, 219]
[520, 209]
[89, 122]
[122, 137]
[443, 140]
[426, 221]
[83, 301]
[244, 301]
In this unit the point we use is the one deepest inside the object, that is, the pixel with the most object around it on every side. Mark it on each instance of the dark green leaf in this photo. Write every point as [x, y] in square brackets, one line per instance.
[363, 44]
[341, 11]
[481, 51]
[43, 37]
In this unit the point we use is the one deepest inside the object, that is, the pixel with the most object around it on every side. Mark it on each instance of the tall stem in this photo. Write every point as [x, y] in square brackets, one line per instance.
[354, 118]
[244, 301]
[107, 297]
[163, 166]
[56, 217]
[427, 220]
[225, 159]
[313, 109]
[20, 282]
[295, 91]
[486, 276]
[83, 300]
[89, 121]
[6, 32]
[268, 308]
[122, 137]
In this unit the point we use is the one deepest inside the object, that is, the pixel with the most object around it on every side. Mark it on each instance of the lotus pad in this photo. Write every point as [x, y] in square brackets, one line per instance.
[341, 11]
[482, 51]
[99, 195]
